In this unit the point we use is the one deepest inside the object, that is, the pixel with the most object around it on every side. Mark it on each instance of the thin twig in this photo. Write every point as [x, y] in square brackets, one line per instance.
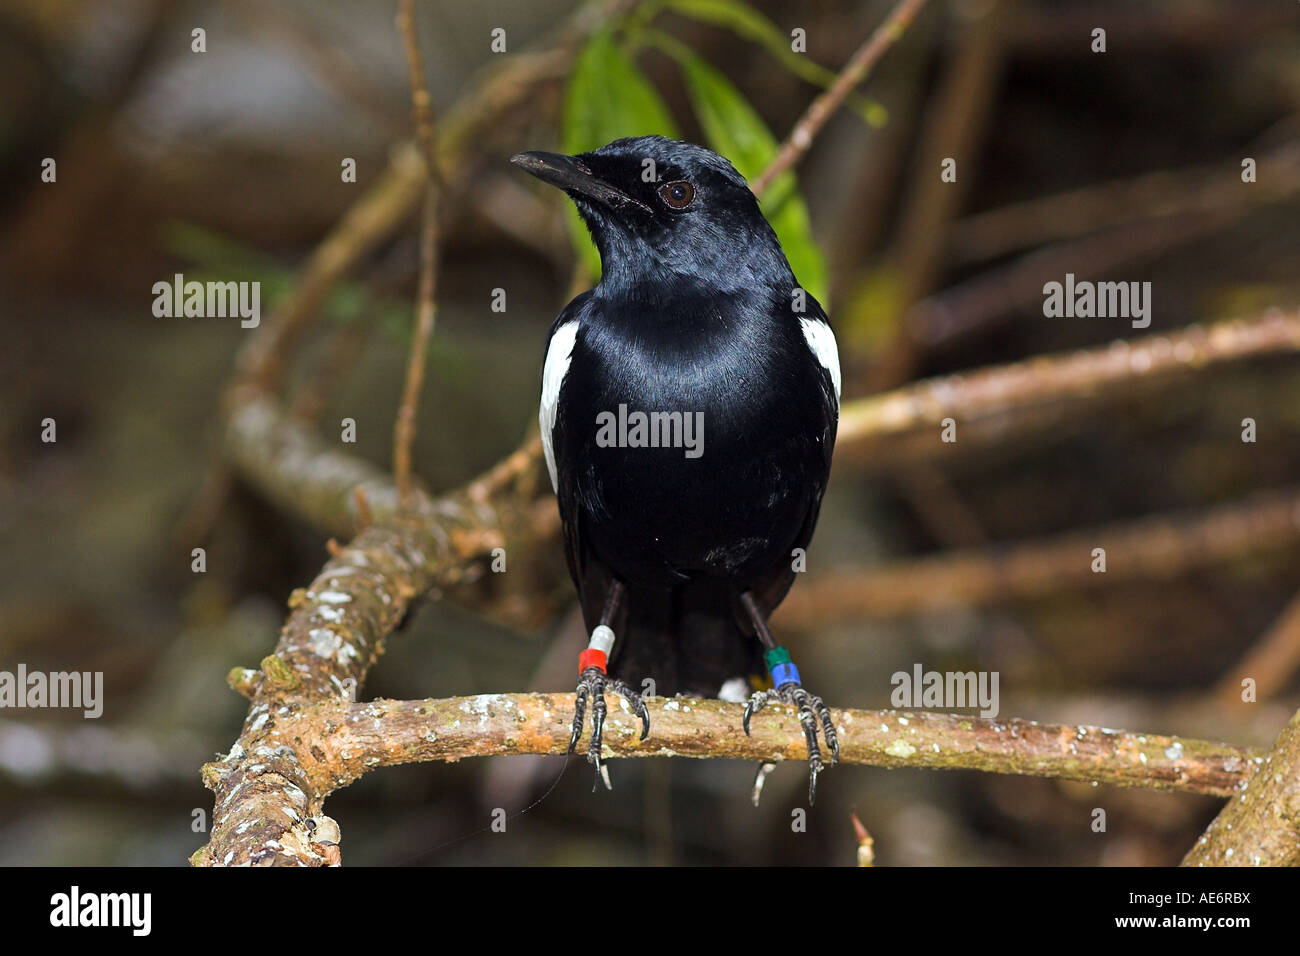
[820, 110]
[421, 101]
[866, 845]
[422, 112]
[385, 204]
[954, 126]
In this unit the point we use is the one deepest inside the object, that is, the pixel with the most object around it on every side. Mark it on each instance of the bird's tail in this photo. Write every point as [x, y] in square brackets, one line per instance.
[688, 639]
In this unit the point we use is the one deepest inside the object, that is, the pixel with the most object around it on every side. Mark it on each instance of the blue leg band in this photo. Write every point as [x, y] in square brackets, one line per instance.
[784, 673]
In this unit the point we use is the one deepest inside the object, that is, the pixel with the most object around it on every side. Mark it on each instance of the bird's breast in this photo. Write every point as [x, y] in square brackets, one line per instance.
[691, 446]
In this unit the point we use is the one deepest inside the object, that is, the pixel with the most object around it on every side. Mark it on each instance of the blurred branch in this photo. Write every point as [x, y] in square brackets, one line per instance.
[330, 65]
[294, 468]
[46, 235]
[422, 113]
[867, 424]
[385, 204]
[1202, 190]
[371, 219]
[1272, 661]
[380, 210]
[293, 754]
[824, 106]
[953, 128]
[305, 736]
[337, 356]
[997, 293]
[1260, 825]
[298, 471]
[37, 754]
[1154, 548]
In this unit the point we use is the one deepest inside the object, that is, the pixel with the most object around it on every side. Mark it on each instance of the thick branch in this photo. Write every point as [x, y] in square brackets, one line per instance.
[334, 633]
[323, 747]
[1260, 826]
[294, 468]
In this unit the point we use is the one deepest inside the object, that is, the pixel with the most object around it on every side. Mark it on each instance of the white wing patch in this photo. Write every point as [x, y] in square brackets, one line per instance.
[735, 690]
[821, 340]
[558, 354]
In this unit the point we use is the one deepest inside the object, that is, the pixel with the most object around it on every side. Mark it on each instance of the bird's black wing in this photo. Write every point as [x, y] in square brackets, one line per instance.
[773, 586]
[591, 581]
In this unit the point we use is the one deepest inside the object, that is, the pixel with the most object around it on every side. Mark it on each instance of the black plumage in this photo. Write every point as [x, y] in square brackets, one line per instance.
[697, 313]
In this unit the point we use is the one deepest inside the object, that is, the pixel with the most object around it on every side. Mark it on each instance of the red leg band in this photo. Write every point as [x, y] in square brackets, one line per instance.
[592, 658]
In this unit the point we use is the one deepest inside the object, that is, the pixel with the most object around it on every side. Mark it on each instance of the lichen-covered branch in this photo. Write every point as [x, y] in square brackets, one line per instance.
[309, 750]
[1260, 825]
[335, 631]
[305, 735]
[297, 470]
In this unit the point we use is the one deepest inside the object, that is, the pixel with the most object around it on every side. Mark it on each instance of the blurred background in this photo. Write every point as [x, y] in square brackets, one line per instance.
[1122, 165]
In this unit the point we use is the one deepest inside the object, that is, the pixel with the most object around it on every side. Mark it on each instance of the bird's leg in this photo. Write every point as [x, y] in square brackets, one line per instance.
[593, 682]
[787, 689]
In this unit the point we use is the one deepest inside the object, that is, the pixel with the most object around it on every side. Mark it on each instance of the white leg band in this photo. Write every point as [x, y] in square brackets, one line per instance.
[602, 639]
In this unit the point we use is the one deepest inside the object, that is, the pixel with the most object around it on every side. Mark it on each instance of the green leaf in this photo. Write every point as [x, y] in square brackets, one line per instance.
[746, 22]
[607, 98]
[735, 130]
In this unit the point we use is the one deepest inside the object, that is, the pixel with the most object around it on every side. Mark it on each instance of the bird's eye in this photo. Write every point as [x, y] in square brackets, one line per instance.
[677, 195]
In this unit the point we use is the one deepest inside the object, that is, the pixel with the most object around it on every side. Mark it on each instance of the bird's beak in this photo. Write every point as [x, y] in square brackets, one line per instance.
[572, 175]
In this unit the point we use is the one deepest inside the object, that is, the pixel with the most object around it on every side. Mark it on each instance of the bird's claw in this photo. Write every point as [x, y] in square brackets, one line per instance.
[811, 710]
[592, 684]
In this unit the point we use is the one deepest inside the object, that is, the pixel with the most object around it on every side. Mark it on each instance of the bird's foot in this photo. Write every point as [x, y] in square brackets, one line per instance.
[811, 710]
[592, 683]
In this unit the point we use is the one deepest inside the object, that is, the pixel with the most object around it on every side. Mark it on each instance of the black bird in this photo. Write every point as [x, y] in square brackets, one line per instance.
[688, 413]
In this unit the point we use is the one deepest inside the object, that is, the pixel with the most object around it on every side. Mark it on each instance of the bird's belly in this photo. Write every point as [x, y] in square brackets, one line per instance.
[658, 516]
[700, 459]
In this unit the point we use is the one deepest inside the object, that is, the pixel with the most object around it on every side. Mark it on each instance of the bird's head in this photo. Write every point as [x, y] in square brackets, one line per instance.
[662, 209]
